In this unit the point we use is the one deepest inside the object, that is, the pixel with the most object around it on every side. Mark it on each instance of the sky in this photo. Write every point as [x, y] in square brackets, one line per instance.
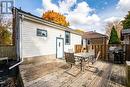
[87, 15]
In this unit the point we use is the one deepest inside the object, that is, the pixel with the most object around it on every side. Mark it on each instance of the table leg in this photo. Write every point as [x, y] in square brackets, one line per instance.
[81, 64]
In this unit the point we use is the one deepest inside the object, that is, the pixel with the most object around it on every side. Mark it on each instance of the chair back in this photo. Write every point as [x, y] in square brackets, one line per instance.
[69, 57]
[98, 55]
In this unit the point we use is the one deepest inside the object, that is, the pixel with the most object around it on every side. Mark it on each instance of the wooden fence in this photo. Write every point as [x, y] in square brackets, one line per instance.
[8, 51]
[97, 47]
[78, 48]
[104, 50]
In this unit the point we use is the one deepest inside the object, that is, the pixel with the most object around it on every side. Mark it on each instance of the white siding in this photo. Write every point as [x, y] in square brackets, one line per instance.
[75, 39]
[33, 45]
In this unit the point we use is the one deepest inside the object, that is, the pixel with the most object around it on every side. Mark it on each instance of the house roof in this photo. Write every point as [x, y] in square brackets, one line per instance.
[31, 17]
[92, 35]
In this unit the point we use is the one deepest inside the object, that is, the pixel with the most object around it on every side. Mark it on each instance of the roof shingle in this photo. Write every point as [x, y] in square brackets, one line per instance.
[92, 35]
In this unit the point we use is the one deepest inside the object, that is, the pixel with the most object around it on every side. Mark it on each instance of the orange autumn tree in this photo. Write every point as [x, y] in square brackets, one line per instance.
[56, 18]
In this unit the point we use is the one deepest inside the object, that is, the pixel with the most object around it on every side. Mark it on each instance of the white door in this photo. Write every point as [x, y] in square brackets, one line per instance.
[60, 47]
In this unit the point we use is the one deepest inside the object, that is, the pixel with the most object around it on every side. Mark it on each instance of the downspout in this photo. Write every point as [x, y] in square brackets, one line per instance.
[19, 46]
[16, 64]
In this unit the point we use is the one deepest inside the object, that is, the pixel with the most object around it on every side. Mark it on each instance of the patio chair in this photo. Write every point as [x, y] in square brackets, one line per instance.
[70, 59]
[93, 60]
[92, 55]
[96, 58]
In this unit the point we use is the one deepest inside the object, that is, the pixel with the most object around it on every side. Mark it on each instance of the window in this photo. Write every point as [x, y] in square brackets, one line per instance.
[88, 41]
[67, 38]
[41, 32]
[82, 41]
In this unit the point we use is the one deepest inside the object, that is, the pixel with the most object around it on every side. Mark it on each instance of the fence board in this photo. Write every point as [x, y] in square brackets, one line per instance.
[78, 48]
[8, 51]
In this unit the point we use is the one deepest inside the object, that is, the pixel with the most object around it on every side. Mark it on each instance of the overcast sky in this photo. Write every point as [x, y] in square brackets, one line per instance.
[88, 15]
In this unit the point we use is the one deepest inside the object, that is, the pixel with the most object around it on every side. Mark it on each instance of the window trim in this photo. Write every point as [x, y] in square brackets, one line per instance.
[67, 32]
[42, 30]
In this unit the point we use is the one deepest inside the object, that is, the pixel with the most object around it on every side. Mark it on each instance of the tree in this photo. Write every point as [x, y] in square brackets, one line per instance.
[55, 17]
[114, 37]
[5, 31]
[118, 27]
[126, 22]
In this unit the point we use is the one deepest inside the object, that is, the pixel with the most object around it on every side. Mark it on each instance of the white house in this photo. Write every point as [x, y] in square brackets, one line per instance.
[38, 37]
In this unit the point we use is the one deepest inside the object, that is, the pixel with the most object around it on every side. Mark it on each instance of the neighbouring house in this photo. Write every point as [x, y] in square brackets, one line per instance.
[38, 37]
[93, 37]
[126, 36]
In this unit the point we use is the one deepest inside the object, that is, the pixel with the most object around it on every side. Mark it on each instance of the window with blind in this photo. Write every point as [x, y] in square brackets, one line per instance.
[67, 38]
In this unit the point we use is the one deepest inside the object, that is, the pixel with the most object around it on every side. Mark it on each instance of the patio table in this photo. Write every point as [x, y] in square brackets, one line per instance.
[82, 57]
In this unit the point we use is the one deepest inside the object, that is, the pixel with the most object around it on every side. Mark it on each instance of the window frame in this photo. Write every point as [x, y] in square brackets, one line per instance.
[67, 32]
[42, 30]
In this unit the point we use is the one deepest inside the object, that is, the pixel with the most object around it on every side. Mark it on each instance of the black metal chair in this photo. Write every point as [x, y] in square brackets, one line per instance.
[96, 58]
[70, 59]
